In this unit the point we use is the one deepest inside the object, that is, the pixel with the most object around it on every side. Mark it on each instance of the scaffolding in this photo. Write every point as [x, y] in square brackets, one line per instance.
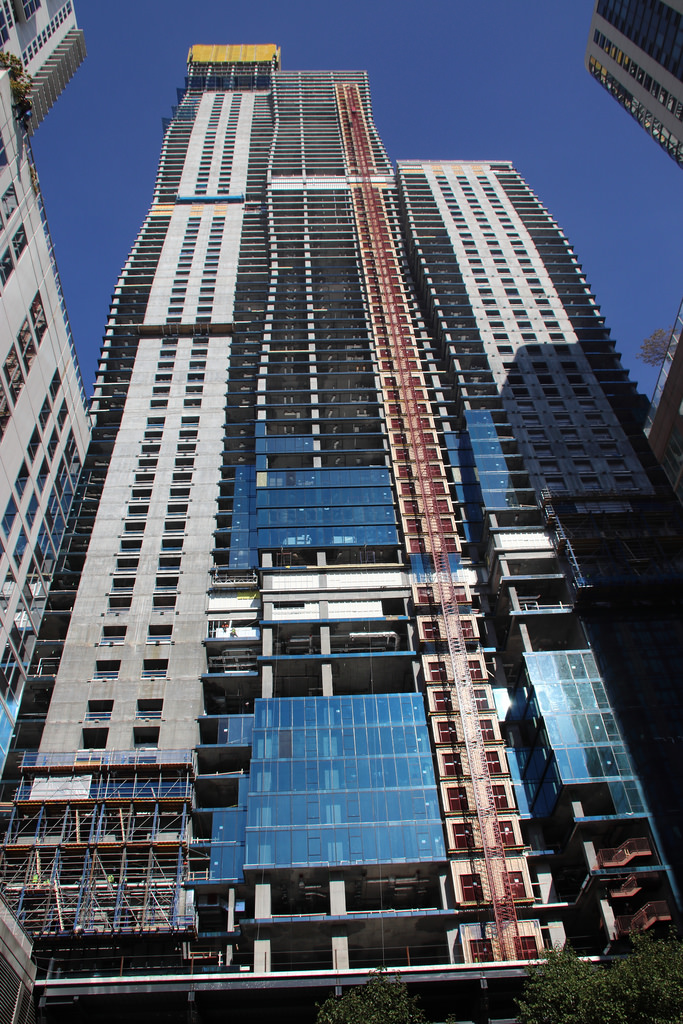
[100, 844]
[616, 541]
[419, 462]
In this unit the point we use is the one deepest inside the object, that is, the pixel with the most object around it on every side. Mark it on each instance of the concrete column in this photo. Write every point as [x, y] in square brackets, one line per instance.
[452, 940]
[267, 637]
[557, 934]
[446, 888]
[608, 917]
[340, 952]
[337, 897]
[231, 911]
[267, 681]
[546, 885]
[325, 647]
[589, 854]
[262, 902]
[328, 690]
[262, 956]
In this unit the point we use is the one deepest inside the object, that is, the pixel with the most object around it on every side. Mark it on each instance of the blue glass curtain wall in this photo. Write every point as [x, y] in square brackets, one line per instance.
[342, 780]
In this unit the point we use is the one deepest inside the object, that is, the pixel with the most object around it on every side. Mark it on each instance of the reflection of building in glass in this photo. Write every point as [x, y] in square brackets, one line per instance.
[635, 51]
[354, 625]
[664, 426]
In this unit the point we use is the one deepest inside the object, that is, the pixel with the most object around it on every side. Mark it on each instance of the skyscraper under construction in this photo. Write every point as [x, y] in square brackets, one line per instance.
[362, 648]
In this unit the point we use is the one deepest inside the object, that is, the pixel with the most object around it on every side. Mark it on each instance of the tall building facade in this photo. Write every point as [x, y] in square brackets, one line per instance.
[44, 430]
[45, 36]
[346, 650]
[635, 51]
[664, 426]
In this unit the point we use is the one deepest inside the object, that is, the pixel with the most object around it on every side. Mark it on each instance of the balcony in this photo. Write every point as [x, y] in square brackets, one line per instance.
[618, 856]
[228, 631]
[646, 917]
[630, 887]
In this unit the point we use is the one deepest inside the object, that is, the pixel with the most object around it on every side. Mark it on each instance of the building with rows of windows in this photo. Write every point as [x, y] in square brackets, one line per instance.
[43, 426]
[635, 51]
[349, 657]
[44, 431]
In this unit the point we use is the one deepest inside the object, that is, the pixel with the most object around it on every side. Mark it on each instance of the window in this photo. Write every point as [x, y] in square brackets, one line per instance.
[19, 241]
[45, 411]
[21, 480]
[482, 700]
[159, 633]
[4, 410]
[487, 730]
[517, 887]
[146, 736]
[99, 710]
[507, 833]
[34, 444]
[472, 891]
[26, 345]
[447, 732]
[107, 668]
[149, 708]
[30, 7]
[154, 668]
[43, 475]
[94, 739]
[13, 374]
[493, 762]
[6, 265]
[481, 950]
[9, 517]
[452, 764]
[122, 583]
[443, 700]
[55, 385]
[529, 947]
[9, 202]
[38, 317]
[457, 798]
[166, 582]
[500, 797]
[20, 546]
[112, 635]
[463, 835]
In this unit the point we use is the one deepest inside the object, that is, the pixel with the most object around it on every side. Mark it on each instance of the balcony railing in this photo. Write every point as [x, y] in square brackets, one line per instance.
[646, 917]
[617, 856]
[628, 888]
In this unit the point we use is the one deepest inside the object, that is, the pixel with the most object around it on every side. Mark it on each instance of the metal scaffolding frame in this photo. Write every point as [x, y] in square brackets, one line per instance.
[100, 851]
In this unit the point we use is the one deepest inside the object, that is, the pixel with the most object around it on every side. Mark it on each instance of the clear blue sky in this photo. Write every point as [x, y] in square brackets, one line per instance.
[450, 79]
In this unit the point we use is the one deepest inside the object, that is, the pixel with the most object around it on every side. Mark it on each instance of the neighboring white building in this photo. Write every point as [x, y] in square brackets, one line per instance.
[44, 428]
[45, 35]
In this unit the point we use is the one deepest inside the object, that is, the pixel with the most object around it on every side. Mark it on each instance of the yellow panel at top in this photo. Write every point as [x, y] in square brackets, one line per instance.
[247, 53]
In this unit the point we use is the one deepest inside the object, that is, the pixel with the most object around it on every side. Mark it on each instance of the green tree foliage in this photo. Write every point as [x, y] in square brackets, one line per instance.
[643, 988]
[20, 81]
[383, 999]
[653, 349]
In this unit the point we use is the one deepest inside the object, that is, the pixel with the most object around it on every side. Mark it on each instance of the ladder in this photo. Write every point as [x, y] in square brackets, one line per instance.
[391, 318]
